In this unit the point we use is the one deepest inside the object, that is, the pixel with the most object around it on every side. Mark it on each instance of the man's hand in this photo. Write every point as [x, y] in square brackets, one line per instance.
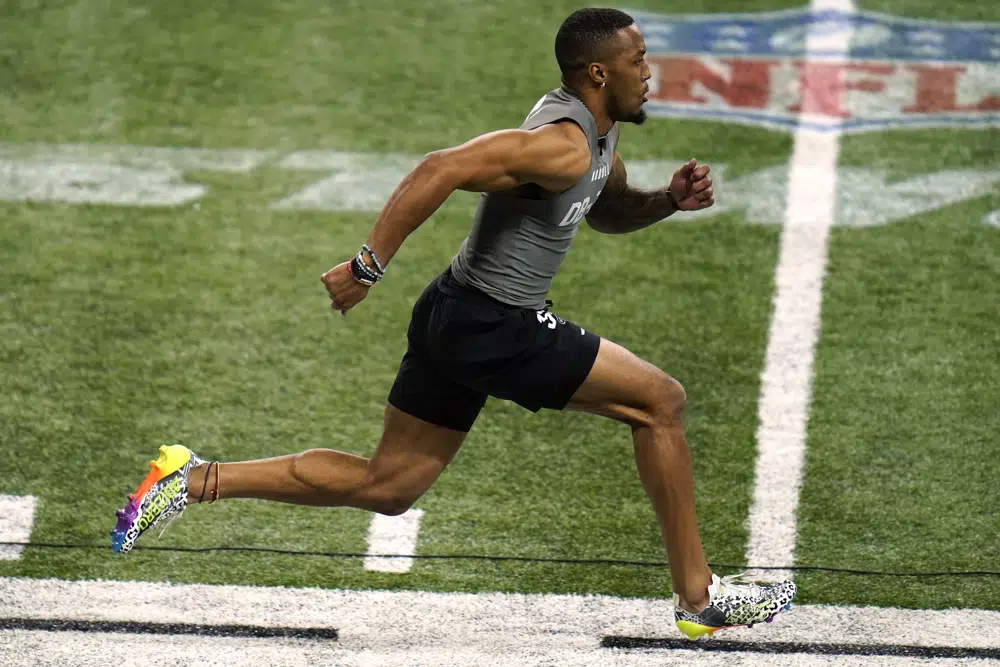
[345, 292]
[691, 187]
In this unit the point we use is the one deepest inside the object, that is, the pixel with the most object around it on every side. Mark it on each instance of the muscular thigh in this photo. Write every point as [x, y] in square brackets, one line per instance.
[622, 386]
[412, 453]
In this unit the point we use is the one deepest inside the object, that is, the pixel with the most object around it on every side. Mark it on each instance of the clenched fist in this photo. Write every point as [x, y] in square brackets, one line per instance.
[345, 292]
[692, 187]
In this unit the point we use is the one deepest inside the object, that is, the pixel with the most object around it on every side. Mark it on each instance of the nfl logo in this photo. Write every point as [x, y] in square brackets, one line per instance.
[864, 71]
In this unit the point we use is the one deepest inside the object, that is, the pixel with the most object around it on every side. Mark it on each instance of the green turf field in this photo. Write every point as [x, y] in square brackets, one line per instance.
[124, 327]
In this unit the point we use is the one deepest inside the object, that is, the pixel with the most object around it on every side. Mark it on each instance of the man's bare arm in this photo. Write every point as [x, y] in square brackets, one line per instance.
[554, 156]
[622, 208]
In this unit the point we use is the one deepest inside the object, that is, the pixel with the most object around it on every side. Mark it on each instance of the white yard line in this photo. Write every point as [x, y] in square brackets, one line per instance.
[786, 381]
[393, 535]
[17, 516]
[410, 628]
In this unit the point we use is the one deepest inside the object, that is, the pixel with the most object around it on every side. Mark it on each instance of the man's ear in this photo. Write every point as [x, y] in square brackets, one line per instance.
[598, 74]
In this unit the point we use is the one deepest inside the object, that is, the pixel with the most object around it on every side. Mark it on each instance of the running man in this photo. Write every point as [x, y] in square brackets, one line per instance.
[483, 327]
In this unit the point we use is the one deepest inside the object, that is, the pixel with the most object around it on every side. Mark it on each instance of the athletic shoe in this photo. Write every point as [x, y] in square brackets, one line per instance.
[162, 496]
[735, 601]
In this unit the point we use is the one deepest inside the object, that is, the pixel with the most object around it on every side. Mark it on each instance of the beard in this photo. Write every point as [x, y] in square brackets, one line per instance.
[637, 117]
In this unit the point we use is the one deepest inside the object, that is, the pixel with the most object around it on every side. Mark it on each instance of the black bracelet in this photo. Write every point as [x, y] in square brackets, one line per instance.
[362, 273]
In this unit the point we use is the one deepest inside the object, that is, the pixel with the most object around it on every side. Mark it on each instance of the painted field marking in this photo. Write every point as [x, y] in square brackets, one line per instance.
[786, 381]
[182, 158]
[357, 182]
[17, 516]
[368, 628]
[142, 176]
[395, 536]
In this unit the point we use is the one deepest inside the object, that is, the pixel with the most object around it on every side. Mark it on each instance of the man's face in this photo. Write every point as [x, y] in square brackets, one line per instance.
[628, 76]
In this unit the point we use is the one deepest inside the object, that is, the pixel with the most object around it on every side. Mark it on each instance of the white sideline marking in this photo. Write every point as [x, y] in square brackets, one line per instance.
[17, 516]
[410, 628]
[786, 381]
[40, 649]
[393, 535]
[83, 649]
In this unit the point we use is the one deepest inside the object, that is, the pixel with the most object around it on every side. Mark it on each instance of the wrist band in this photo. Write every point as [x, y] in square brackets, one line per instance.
[378, 265]
[361, 273]
[356, 273]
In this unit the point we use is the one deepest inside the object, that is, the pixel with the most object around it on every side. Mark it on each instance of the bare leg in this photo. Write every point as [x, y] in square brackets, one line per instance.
[626, 388]
[409, 458]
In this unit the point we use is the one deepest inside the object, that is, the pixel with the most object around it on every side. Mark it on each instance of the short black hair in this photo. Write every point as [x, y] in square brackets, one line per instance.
[584, 34]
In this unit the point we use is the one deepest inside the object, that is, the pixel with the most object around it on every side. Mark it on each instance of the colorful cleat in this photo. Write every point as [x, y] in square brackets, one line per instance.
[735, 601]
[162, 496]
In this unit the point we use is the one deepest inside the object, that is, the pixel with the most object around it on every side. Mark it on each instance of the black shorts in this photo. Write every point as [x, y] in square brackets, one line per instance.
[464, 346]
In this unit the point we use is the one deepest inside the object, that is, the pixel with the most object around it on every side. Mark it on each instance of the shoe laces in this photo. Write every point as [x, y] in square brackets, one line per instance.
[741, 584]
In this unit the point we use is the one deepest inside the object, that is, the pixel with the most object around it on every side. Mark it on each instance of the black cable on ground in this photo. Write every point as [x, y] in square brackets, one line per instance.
[509, 559]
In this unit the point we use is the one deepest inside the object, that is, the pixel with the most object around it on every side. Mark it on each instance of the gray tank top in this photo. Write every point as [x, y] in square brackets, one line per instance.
[517, 244]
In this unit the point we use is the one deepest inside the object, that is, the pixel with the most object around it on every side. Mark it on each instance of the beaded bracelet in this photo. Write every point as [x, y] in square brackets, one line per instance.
[369, 272]
[378, 265]
[361, 272]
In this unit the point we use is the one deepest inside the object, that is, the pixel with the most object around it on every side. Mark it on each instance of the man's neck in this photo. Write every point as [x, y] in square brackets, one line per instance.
[593, 99]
